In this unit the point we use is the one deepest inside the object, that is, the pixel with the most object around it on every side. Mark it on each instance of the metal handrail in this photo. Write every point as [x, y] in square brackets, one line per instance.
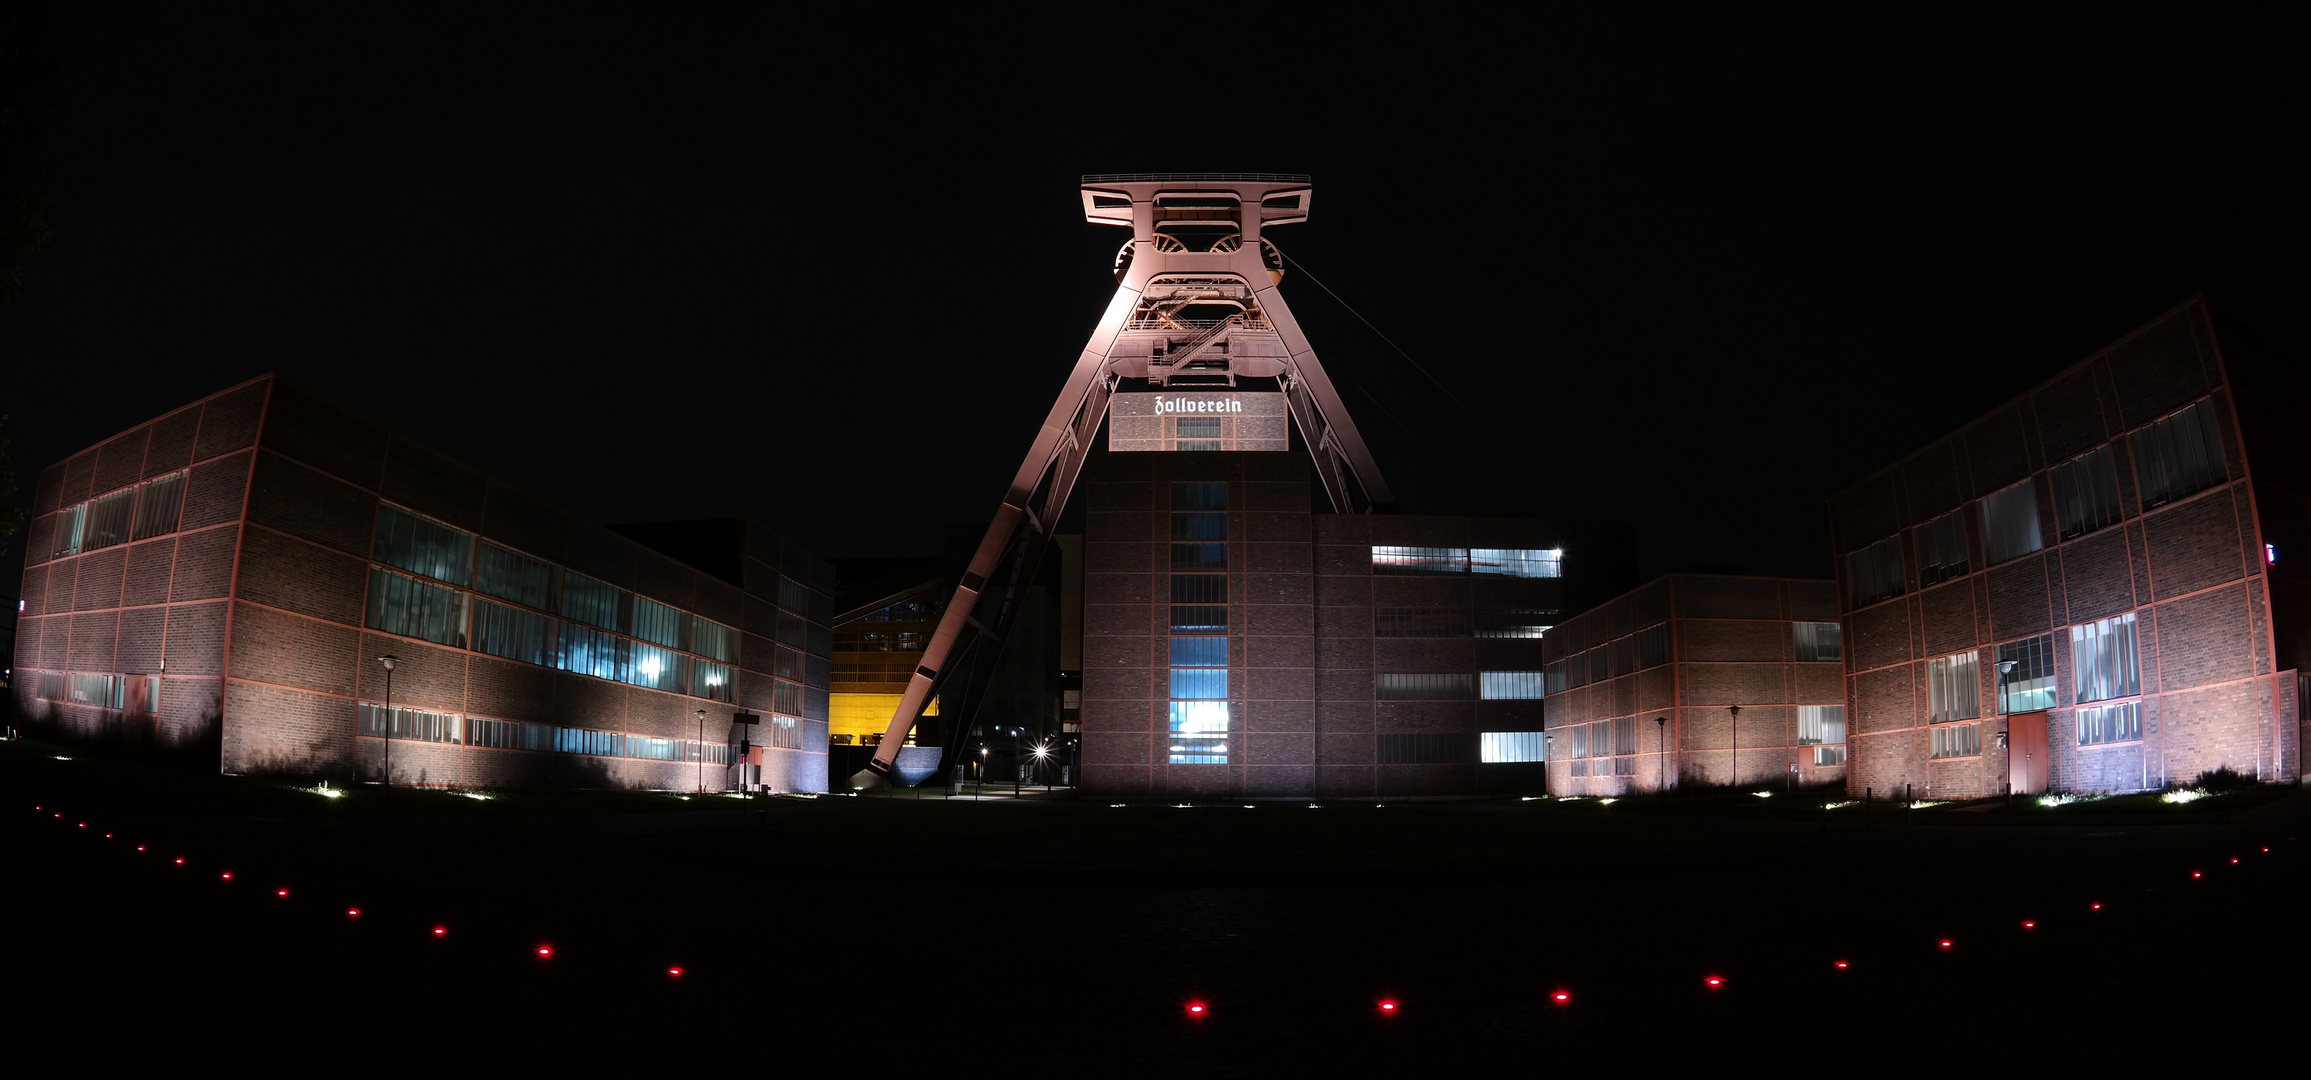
[1131, 178]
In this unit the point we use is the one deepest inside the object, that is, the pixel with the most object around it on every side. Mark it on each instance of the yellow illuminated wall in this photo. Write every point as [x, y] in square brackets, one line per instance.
[865, 714]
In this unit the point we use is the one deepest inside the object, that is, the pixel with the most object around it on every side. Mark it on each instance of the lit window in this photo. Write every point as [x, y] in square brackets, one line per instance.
[591, 601]
[1954, 687]
[1199, 602]
[2030, 686]
[2110, 723]
[1199, 733]
[70, 523]
[785, 733]
[657, 668]
[592, 652]
[1421, 622]
[655, 622]
[1429, 749]
[2010, 523]
[511, 575]
[1515, 622]
[1200, 433]
[1501, 747]
[1510, 685]
[718, 642]
[418, 724]
[160, 502]
[1388, 559]
[1199, 708]
[710, 680]
[109, 518]
[1518, 562]
[403, 605]
[1823, 727]
[2103, 660]
[512, 633]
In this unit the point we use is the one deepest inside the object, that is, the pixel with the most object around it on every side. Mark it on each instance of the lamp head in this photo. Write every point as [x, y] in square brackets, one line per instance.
[388, 661]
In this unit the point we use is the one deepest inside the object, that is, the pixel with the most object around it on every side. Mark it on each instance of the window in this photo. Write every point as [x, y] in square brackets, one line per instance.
[404, 605]
[1199, 667]
[1823, 727]
[1201, 526]
[1600, 664]
[656, 623]
[2178, 455]
[786, 696]
[1418, 560]
[1941, 548]
[718, 642]
[785, 733]
[1818, 642]
[1200, 495]
[591, 601]
[592, 652]
[53, 686]
[1576, 671]
[423, 546]
[658, 669]
[1510, 685]
[1577, 741]
[1954, 688]
[1962, 740]
[377, 720]
[108, 520]
[1518, 562]
[1519, 623]
[1625, 735]
[1199, 556]
[1199, 433]
[511, 575]
[1653, 646]
[70, 523]
[1875, 572]
[1422, 622]
[1504, 747]
[1427, 686]
[2010, 523]
[2085, 493]
[512, 633]
[2102, 660]
[1199, 733]
[1199, 602]
[160, 502]
[1445, 749]
[1556, 673]
[710, 680]
[793, 595]
[2030, 686]
[102, 691]
[794, 630]
[2110, 723]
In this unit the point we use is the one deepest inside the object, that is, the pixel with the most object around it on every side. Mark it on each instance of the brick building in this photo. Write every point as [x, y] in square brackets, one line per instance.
[1238, 644]
[226, 575]
[1650, 689]
[2097, 574]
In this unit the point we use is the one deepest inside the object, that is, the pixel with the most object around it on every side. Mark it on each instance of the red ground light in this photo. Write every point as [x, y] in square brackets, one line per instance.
[674, 972]
[1561, 997]
[282, 893]
[2195, 874]
[1195, 1008]
[1842, 965]
[440, 931]
[1388, 1006]
[2029, 924]
[228, 875]
[1946, 943]
[2094, 907]
[1715, 981]
[352, 913]
[545, 951]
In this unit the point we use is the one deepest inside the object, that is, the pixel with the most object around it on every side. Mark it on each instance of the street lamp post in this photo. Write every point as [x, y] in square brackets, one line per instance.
[1736, 743]
[2005, 738]
[389, 661]
[699, 744]
[1661, 753]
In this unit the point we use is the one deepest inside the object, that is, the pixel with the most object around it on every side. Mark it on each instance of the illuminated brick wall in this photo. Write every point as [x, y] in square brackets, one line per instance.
[2220, 630]
[1667, 660]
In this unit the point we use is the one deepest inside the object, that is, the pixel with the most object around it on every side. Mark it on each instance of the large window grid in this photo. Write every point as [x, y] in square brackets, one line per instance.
[1818, 642]
[1954, 687]
[1426, 686]
[1197, 713]
[1507, 562]
[1957, 740]
[2010, 523]
[1505, 747]
[138, 512]
[423, 546]
[1941, 548]
[1422, 622]
[1510, 685]
[1515, 622]
[1823, 727]
[1874, 573]
[2110, 723]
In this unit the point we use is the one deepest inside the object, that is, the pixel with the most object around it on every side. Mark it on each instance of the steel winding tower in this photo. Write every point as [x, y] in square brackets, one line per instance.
[1196, 305]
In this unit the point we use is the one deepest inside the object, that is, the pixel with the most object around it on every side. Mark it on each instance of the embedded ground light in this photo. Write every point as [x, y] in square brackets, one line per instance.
[352, 913]
[440, 931]
[1388, 1006]
[2030, 924]
[674, 973]
[1714, 981]
[1946, 943]
[1842, 965]
[1196, 1008]
[545, 952]
[1562, 997]
[282, 893]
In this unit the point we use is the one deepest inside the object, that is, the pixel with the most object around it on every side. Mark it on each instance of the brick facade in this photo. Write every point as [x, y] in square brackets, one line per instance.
[1670, 660]
[2220, 628]
[253, 613]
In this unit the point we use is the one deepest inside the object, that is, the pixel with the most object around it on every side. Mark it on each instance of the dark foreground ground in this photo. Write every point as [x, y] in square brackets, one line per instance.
[890, 936]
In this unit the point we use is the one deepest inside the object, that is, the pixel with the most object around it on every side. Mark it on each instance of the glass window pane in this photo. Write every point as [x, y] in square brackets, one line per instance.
[511, 575]
[1510, 685]
[423, 546]
[591, 601]
[655, 622]
[512, 633]
[1200, 495]
[2010, 523]
[1518, 562]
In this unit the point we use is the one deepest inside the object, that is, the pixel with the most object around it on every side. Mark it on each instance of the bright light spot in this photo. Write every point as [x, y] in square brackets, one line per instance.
[545, 950]
[2195, 875]
[180, 862]
[650, 668]
[1387, 1006]
[1762, 794]
[674, 972]
[83, 824]
[1714, 981]
[2030, 924]
[440, 931]
[1561, 997]
[1195, 1008]
[1532, 798]
[1607, 802]
[327, 792]
[108, 836]
[61, 757]
[2266, 851]
[1842, 965]
[1114, 805]
[2271, 554]
[1923, 804]
[2184, 796]
[477, 796]
[282, 893]
[2094, 907]
[1841, 805]
[1247, 806]
[2234, 862]
[1946, 943]
[228, 875]
[1311, 806]
[140, 847]
[352, 913]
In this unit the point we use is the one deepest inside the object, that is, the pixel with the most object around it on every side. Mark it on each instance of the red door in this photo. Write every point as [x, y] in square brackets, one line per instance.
[2026, 752]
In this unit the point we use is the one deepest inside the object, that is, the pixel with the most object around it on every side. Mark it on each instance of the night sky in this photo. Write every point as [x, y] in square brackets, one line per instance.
[1692, 277]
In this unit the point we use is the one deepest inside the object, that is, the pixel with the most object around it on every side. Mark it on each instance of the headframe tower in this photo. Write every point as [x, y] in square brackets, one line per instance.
[1196, 305]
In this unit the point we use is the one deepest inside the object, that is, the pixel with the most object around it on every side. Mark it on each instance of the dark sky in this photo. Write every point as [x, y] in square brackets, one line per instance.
[1694, 277]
